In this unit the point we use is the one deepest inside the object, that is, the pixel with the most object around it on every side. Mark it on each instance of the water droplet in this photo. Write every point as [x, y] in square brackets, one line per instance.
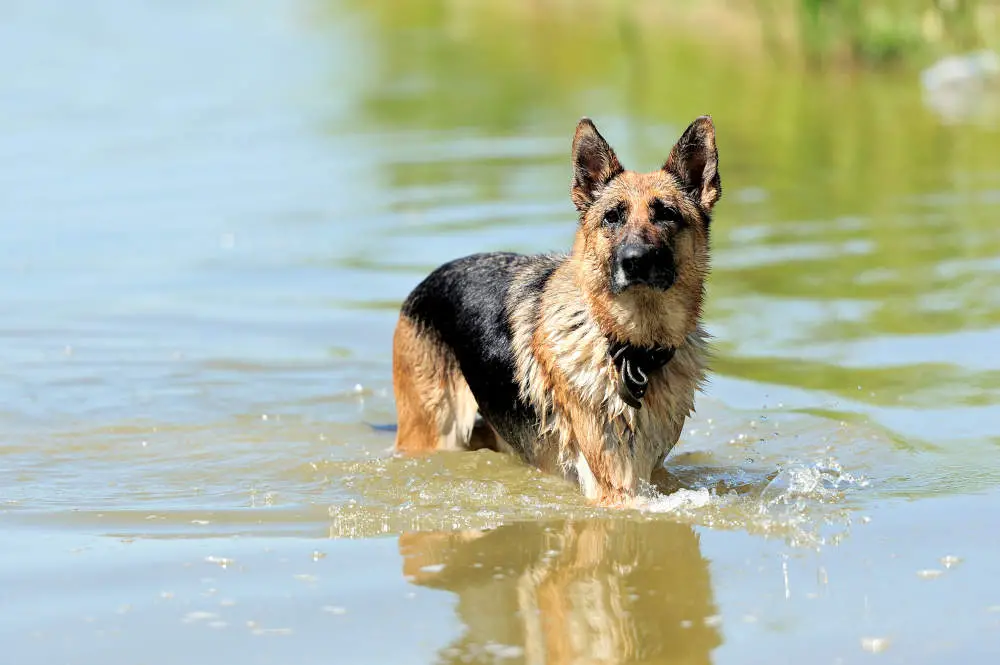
[221, 561]
[874, 644]
[950, 561]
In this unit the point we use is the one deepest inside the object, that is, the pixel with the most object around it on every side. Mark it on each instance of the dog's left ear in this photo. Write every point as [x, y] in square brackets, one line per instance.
[594, 164]
[694, 161]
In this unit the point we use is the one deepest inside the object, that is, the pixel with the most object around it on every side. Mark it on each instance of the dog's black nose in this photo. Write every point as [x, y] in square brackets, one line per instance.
[635, 262]
[641, 264]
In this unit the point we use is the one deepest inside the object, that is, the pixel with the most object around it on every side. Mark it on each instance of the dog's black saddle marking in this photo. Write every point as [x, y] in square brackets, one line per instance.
[635, 364]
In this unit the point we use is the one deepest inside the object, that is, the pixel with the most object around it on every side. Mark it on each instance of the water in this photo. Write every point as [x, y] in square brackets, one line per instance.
[209, 214]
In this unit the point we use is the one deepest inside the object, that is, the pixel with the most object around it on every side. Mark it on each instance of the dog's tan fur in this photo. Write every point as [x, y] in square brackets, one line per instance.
[560, 334]
[434, 404]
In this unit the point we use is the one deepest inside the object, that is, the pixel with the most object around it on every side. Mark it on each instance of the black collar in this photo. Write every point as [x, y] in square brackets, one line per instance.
[635, 364]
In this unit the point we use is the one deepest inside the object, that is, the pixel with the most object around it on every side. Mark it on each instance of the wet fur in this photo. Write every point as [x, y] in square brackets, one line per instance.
[524, 340]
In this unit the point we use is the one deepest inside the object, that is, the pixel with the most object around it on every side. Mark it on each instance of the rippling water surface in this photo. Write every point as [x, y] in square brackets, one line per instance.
[209, 214]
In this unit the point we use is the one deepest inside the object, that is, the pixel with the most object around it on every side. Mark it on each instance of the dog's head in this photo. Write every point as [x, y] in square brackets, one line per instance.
[643, 240]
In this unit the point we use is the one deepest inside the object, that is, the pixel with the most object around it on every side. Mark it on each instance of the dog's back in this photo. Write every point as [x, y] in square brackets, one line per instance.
[453, 353]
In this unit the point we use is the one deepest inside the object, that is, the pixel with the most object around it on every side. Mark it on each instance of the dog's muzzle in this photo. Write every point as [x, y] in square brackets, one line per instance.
[635, 264]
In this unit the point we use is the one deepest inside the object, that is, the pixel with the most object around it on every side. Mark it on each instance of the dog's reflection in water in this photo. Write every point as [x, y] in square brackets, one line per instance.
[594, 591]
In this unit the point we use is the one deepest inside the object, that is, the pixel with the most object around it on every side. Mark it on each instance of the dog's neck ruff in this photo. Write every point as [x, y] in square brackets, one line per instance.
[635, 364]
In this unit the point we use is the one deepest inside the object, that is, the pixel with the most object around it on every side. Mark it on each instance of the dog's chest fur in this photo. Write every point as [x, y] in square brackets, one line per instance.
[565, 372]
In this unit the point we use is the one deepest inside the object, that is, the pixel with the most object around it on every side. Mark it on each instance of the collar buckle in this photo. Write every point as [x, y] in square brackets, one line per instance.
[634, 365]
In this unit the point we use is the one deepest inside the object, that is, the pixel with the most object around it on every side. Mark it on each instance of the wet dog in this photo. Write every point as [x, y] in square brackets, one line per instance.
[582, 364]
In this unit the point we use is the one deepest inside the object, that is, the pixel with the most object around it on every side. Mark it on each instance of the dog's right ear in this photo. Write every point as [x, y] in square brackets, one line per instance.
[694, 161]
[594, 164]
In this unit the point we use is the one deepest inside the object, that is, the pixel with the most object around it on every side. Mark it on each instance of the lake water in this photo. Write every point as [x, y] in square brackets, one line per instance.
[209, 214]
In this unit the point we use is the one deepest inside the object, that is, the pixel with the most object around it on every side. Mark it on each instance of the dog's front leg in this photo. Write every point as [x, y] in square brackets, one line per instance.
[604, 463]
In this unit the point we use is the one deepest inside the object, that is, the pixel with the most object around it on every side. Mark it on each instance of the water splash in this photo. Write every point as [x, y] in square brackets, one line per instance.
[807, 504]
[823, 481]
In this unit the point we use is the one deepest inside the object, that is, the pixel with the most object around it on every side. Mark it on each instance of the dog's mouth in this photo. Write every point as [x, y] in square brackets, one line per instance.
[662, 281]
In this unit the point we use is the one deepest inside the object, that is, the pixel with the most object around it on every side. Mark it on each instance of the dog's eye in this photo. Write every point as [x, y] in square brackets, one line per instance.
[613, 217]
[665, 214]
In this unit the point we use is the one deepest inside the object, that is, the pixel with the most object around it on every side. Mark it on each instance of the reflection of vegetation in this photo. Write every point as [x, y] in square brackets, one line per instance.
[840, 187]
[880, 386]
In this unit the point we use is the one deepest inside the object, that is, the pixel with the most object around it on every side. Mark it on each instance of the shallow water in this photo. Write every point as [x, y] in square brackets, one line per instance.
[209, 214]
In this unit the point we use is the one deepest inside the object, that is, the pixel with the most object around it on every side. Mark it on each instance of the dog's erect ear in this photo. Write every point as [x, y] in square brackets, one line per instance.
[594, 164]
[694, 161]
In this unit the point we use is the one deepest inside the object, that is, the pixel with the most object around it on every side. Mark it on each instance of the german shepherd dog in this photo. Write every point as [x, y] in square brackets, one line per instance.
[584, 365]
